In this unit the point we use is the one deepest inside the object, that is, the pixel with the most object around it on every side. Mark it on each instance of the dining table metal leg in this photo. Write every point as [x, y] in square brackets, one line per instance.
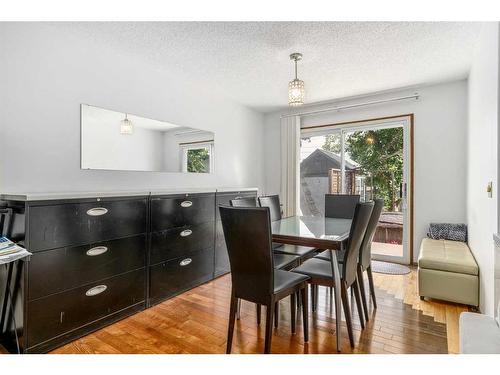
[336, 293]
[238, 310]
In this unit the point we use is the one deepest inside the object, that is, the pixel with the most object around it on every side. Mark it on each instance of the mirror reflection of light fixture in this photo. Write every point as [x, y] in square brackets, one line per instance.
[296, 90]
[126, 126]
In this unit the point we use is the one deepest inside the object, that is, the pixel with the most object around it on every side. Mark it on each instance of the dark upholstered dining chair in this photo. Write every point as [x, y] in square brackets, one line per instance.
[282, 261]
[247, 231]
[320, 271]
[244, 202]
[340, 205]
[365, 256]
[273, 202]
[303, 252]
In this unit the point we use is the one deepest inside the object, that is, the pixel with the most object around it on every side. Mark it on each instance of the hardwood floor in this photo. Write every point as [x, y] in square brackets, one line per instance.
[196, 322]
[404, 288]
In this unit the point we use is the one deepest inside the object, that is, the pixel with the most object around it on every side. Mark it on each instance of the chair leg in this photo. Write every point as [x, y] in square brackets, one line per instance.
[276, 314]
[259, 308]
[372, 287]
[347, 313]
[305, 313]
[269, 327]
[313, 297]
[355, 289]
[293, 309]
[316, 298]
[238, 309]
[230, 329]
[338, 313]
[361, 285]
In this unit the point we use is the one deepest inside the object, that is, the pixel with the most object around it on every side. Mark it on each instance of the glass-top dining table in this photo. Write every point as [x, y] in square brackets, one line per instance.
[321, 233]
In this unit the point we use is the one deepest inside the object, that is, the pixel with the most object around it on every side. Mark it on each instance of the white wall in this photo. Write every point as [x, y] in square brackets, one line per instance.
[439, 152]
[482, 159]
[45, 74]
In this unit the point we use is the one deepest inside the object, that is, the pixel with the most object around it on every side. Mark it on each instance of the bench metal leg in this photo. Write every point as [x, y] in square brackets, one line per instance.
[8, 298]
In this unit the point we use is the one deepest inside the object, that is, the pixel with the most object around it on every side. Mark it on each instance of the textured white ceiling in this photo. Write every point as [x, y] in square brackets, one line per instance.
[249, 61]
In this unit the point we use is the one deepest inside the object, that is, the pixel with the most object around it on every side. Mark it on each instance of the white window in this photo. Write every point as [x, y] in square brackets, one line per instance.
[197, 157]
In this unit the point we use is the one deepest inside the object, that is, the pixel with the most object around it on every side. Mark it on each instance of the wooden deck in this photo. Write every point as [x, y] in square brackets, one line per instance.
[196, 322]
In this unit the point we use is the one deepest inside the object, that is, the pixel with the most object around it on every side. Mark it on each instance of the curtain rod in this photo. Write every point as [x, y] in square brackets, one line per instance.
[414, 96]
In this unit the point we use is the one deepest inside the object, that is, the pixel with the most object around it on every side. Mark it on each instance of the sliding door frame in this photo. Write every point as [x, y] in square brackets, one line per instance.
[410, 117]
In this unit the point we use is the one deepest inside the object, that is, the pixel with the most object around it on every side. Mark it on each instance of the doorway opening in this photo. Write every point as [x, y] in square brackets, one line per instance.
[368, 158]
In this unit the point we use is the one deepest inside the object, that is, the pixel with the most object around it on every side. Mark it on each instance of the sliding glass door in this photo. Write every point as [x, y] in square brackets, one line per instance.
[369, 159]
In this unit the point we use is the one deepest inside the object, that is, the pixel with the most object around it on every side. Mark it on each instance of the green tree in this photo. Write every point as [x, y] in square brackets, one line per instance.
[379, 154]
[333, 143]
[198, 160]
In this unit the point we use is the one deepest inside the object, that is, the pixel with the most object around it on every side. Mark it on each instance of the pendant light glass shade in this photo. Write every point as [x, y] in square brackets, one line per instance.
[296, 91]
[126, 126]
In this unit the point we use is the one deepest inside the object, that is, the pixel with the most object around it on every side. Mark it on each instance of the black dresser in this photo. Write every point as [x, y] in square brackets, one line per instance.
[98, 260]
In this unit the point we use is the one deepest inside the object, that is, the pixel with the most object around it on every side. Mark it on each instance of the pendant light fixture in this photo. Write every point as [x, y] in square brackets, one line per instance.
[296, 90]
[126, 126]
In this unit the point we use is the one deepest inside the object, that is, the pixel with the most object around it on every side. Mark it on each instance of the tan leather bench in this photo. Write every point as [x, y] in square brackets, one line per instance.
[448, 271]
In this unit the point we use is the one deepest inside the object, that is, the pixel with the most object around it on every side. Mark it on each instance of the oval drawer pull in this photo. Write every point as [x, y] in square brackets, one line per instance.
[97, 211]
[185, 262]
[96, 290]
[98, 250]
[186, 204]
[186, 232]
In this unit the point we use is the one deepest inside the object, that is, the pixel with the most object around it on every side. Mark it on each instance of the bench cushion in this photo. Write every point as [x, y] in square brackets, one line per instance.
[479, 334]
[444, 255]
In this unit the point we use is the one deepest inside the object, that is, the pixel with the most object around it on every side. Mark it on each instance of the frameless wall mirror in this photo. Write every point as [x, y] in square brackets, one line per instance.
[119, 141]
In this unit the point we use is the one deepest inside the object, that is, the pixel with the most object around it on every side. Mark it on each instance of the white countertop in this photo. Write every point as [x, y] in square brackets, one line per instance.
[70, 195]
[228, 189]
[107, 194]
[182, 191]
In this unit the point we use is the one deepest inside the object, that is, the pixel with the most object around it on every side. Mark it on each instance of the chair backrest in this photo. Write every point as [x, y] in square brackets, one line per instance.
[273, 202]
[340, 205]
[362, 214]
[247, 231]
[365, 254]
[244, 202]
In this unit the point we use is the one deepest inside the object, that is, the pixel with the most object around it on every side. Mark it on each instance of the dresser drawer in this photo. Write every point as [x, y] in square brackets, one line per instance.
[71, 224]
[54, 271]
[221, 261]
[181, 210]
[177, 242]
[52, 316]
[175, 276]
